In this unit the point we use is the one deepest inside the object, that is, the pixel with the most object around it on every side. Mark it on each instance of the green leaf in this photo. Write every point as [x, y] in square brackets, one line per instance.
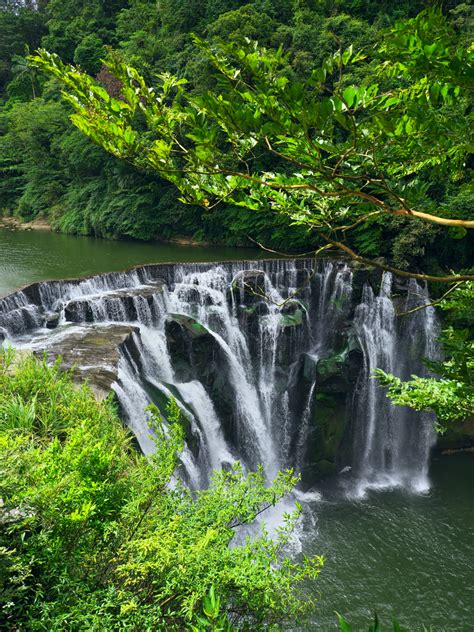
[347, 54]
[457, 232]
[350, 96]
[343, 624]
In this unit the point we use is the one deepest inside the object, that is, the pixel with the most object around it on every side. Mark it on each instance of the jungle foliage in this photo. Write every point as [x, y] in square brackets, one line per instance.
[83, 190]
[328, 154]
[95, 536]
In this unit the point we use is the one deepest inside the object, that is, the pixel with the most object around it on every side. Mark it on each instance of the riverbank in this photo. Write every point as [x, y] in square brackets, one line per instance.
[43, 224]
[15, 223]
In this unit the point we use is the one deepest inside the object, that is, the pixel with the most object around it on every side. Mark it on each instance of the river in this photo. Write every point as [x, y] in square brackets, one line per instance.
[402, 554]
[29, 256]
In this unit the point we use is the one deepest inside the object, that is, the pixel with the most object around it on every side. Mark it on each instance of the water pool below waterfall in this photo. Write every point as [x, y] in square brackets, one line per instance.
[268, 375]
[402, 554]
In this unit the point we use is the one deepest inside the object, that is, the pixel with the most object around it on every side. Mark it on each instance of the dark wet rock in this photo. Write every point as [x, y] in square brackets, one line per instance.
[52, 321]
[196, 355]
[335, 373]
[303, 276]
[118, 305]
[362, 274]
[339, 372]
[250, 284]
[259, 308]
[329, 418]
[459, 437]
[334, 376]
[32, 292]
[193, 351]
[375, 273]
[194, 295]
[249, 316]
[78, 311]
[400, 284]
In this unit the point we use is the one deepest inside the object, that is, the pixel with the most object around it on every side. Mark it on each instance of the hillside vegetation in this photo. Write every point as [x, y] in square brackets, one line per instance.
[50, 169]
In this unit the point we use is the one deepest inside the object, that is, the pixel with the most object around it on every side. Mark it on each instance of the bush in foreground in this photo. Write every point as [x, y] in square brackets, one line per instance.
[95, 536]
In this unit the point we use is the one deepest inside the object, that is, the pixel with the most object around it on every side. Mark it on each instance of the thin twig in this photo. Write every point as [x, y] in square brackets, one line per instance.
[432, 303]
[298, 290]
[283, 254]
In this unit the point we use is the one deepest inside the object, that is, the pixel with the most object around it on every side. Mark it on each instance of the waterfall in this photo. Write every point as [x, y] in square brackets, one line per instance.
[257, 355]
[303, 432]
[392, 444]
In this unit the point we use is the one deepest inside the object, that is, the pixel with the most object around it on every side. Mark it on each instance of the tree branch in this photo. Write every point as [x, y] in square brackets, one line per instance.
[444, 221]
[453, 278]
[433, 303]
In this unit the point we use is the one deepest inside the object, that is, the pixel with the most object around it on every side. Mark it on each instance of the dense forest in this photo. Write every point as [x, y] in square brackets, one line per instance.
[50, 169]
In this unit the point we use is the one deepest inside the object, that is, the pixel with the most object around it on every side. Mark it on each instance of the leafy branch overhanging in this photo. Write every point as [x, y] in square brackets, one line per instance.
[325, 152]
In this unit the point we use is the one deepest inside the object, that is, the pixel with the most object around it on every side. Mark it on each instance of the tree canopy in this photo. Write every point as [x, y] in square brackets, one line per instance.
[327, 152]
[114, 199]
[359, 140]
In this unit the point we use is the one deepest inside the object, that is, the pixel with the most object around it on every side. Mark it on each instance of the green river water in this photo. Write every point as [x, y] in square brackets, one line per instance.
[29, 256]
[401, 554]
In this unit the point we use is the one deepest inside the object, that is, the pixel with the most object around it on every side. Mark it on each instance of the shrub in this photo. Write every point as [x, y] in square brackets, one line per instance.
[96, 536]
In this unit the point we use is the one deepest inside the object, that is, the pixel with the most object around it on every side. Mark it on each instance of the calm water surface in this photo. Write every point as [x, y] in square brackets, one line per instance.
[29, 256]
[403, 555]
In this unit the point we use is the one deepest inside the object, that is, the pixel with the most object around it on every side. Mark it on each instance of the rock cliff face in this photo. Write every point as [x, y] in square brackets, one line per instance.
[459, 438]
[92, 353]
[270, 361]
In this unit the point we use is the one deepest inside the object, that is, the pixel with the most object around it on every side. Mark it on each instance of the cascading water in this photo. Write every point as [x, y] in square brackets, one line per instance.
[391, 445]
[252, 353]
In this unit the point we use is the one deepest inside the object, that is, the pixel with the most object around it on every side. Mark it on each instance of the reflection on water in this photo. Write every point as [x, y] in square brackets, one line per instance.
[29, 256]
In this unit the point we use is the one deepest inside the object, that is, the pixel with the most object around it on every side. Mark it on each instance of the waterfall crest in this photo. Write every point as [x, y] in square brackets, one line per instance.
[269, 361]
